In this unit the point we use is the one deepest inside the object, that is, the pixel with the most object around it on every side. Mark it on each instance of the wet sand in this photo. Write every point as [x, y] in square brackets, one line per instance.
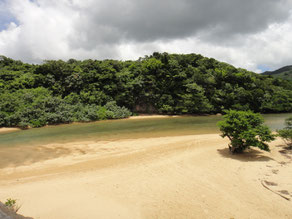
[190, 176]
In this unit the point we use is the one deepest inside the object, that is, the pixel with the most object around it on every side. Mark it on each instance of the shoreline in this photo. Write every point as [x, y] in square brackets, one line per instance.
[142, 116]
[136, 117]
[152, 116]
[8, 129]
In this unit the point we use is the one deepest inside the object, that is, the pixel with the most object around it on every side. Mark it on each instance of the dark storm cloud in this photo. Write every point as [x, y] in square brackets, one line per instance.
[245, 33]
[113, 22]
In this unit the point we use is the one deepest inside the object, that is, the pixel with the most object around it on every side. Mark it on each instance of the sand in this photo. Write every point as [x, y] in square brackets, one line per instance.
[5, 130]
[169, 177]
[146, 116]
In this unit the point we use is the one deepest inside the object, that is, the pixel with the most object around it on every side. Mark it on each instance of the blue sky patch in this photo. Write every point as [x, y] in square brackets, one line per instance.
[263, 68]
[5, 16]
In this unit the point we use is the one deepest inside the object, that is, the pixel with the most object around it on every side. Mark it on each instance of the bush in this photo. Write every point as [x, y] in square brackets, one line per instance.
[12, 205]
[101, 113]
[245, 129]
[38, 107]
[116, 112]
[286, 133]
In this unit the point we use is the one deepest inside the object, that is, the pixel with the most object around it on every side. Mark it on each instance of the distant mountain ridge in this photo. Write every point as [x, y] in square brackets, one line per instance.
[284, 73]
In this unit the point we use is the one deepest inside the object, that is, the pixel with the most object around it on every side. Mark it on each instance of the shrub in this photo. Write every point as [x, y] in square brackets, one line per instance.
[12, 205]
[245, 129]
[116, 112]
[101, 113]
[38, 107]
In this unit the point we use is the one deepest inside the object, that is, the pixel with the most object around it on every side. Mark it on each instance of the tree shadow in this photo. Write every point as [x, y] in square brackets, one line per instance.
[285, 150]
[248, 156]
[285, 147]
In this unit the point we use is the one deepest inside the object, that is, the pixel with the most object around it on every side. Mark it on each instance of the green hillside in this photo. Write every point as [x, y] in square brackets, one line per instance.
[284, 73]
[66, 91]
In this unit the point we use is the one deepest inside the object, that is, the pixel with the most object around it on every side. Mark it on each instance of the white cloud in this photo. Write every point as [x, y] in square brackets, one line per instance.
[233, 31]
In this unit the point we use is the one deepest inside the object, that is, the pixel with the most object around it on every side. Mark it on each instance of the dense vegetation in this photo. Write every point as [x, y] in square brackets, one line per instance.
[245, 129]
[283, 73]
[59, 91]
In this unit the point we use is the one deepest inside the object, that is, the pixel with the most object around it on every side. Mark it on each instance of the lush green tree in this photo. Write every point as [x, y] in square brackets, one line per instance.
[286, 133]
[159, 83]
[245, 129]
[38, 107]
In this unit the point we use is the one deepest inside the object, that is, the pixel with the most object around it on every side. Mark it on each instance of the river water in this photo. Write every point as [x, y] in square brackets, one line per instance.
[18, 145]
[123, 129]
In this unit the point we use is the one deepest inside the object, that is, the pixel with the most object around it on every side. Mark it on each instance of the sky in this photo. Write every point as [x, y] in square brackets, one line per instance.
[251, 34]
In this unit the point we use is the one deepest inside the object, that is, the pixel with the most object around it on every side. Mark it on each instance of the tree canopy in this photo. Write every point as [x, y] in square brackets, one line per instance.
[160, 83]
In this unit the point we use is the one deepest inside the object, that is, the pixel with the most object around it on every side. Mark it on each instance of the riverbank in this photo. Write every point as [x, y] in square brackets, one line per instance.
[6, 130]
[191, 176]
[138, 117]
[142, 116]
[270, 120]
[153, 116]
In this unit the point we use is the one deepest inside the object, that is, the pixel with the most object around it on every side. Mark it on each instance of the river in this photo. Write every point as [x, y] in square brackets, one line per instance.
[21, 145]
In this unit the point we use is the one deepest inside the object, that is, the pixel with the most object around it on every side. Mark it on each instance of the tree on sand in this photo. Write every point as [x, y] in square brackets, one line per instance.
[245, 129]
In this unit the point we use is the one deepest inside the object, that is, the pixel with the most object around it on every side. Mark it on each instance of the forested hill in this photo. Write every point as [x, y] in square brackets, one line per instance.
[59, 91]
[284, 73]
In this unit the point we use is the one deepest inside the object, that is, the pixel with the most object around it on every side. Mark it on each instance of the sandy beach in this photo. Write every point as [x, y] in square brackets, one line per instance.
[190, 176]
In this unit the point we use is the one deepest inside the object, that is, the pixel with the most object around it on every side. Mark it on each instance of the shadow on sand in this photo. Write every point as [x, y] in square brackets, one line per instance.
[248, 156]
[285, 147]
[17, 156]
[285, 150]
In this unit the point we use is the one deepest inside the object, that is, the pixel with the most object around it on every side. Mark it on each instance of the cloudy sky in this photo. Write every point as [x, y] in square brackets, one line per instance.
[251, 34]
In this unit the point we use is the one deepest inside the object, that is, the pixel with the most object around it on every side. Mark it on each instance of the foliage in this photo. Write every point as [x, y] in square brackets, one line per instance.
[286, 133]
[12, 205]
[245, 129]
[58, 91]
[37, 107]
[113, 111]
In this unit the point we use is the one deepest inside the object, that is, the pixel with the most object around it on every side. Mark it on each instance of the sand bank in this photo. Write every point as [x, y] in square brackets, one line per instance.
[169, 177]
[152, 116]
[5, 130]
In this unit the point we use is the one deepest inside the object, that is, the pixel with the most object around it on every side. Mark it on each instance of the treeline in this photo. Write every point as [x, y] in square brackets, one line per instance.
[58, 91]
